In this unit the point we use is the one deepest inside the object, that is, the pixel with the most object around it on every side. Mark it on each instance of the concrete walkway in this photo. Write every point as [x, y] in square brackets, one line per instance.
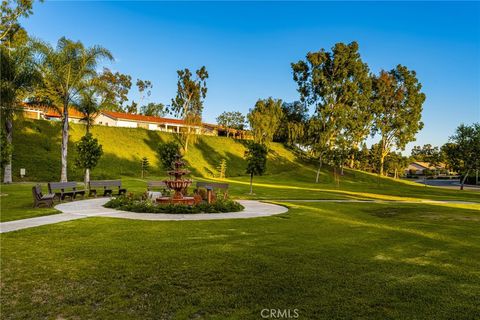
[94, 208]
[253, 209]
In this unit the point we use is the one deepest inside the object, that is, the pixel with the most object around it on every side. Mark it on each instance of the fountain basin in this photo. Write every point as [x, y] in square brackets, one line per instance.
[169, 200]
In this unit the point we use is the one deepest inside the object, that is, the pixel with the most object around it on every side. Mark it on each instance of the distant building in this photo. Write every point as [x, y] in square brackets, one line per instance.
[48, 113]
[129, 120]
[419, 168]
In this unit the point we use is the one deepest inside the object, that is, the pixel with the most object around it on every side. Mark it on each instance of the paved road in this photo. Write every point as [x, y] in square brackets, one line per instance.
[447, 183]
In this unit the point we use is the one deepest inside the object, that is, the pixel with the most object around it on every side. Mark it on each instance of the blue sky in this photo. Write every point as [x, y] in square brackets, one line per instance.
[247, 47]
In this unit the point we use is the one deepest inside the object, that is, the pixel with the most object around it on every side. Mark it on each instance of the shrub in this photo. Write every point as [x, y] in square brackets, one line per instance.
[167, 152]
[137, 203]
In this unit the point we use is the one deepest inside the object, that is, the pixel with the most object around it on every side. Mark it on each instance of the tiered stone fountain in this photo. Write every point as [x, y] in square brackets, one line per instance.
[178, 184]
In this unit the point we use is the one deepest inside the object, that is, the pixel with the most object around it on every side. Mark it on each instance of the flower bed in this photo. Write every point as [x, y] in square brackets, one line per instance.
[139, 204]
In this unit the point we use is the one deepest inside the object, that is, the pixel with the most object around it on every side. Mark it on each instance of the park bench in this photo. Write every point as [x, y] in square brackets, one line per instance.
[154, 187]
[211, 196]
[65, 189]
[151, 185]
[39, 198]
[107, 187]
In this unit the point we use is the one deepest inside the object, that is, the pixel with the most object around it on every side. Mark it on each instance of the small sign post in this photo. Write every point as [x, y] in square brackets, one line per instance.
[22, 172]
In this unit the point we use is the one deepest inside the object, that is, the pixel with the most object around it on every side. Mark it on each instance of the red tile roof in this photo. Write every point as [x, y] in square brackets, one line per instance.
[139, 117]
[53, 112]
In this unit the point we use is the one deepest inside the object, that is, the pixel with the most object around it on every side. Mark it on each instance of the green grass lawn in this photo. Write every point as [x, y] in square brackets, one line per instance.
[326, 260]
[16, 202]
[16, 199]
[392, 260]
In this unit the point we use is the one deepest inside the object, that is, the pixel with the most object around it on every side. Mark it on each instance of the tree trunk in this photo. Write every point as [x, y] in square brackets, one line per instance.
[319, 168]
[87, 177]
[185, 147]
[463, 180]
[63, 176]
[352, 156]
[382, 160]
[7, 175]
[251, 183]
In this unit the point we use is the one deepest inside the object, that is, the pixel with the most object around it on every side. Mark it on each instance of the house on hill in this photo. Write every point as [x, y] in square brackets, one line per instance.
[128, 120]
[49, 113]
[120, 119]
[420, 168]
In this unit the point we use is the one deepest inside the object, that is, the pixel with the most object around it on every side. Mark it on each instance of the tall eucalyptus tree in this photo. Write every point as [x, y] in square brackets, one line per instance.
[335, 84]
[188, 102]
[397, 103]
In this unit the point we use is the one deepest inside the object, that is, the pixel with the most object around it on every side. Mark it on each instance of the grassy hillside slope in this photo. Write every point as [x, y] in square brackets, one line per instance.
[37, 149]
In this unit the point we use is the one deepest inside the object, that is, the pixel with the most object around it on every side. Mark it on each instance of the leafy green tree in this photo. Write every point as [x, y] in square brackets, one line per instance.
[116, 87]
[19, 77]
[145, 166]
[265, 119]
[397, 101]
[67, 70]
[5, 151]
[144, 88]
[335, 84]
[359, 123]
[167, 152]
[132, 108]
[338, 154]
[256, 157]
[231, 120]
[89, 152]
[12, 10]
[88, 104]
[188, 102]
[362, 158]
[395, 164]
[293, 123]
[154, 109]
[427, 153]
[463, 151]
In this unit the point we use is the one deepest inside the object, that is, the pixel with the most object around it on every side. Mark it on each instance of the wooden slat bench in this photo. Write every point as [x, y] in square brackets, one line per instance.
[39, 198]
[156, 189]
[151, 185]
[65, 189]
[210, 187]
[107, 187]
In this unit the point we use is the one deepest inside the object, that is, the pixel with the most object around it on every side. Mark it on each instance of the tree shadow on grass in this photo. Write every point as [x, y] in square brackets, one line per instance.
[235, 164]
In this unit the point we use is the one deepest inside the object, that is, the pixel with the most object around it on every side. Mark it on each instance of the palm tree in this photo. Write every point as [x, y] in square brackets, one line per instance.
[18, 78]
[89, 104]
[67, 71]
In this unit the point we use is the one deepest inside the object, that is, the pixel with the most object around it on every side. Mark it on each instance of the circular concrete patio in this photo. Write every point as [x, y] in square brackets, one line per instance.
[95, 208]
